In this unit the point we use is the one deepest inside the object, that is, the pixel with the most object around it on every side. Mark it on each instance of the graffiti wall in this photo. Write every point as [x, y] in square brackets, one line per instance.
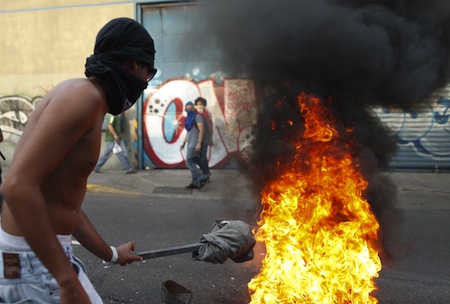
[232, 108]
[14, 113]
[423, 136]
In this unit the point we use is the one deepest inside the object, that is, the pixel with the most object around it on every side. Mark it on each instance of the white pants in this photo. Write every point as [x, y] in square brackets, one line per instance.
[36, 284]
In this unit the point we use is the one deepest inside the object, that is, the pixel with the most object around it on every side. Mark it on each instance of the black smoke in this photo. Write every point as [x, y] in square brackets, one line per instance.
[360, 52]
[354, 54]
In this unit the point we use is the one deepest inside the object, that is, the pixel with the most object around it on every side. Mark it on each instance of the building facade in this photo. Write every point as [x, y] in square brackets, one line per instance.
[47, 41]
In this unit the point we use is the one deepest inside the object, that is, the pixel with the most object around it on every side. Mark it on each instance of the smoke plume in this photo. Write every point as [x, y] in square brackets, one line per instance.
[355, 54]
[360, 52]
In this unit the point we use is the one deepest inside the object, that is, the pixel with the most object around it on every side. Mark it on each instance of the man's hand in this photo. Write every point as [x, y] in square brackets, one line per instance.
[198, 147]
[183, 144]
[125, 254]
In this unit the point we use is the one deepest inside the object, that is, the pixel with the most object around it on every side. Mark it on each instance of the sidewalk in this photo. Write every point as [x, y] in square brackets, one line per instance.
[416, 190]
[228, 184]
[422, 190]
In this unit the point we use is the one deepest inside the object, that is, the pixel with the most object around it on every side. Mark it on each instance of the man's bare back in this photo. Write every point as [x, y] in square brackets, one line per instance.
[46, 182]
[66, 170]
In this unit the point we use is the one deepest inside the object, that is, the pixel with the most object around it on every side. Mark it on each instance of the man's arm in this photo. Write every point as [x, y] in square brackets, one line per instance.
[88, 236]
[38, 154]
[111, 128]
[201, 132]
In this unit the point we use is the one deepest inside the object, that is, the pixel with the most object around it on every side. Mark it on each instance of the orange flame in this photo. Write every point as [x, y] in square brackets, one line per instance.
[320, 235]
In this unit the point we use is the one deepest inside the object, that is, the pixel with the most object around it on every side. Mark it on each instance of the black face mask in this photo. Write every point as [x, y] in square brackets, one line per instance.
[122, 87]
[119, 39]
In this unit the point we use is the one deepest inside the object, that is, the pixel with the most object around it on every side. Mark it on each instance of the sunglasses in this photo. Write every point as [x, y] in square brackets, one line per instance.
[151, 73]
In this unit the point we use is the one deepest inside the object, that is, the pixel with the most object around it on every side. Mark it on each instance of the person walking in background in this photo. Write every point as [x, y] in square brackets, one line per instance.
[114, 145]
[47, 179]
[1, 171]
[195, 130]
[200, 106]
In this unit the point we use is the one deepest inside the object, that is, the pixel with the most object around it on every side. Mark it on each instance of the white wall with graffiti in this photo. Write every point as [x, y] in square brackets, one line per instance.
[15, 111]
[423, 136]
[232, 107]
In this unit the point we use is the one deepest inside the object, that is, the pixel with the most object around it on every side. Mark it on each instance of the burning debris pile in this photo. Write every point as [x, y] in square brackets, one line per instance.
[318, 151]
[321, 237]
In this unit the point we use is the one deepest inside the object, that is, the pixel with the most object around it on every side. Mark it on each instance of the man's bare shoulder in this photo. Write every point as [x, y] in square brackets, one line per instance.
[74, 95]
[79, 88]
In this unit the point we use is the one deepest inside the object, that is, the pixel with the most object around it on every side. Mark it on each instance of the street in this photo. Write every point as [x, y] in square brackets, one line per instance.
[161, 223]
[420, 272]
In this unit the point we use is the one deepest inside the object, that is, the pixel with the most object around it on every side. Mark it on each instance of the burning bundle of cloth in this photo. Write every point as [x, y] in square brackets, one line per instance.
[228, 240]
[319, 153]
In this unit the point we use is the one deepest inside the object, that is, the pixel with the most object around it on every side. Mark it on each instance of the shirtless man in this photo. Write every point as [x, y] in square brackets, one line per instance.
[47, 179]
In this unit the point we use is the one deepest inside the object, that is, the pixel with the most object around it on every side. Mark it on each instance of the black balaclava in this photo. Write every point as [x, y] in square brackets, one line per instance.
[119, 39]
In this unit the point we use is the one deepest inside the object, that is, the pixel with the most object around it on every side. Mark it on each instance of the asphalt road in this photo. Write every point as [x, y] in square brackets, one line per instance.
[420, 273]
[156, 223]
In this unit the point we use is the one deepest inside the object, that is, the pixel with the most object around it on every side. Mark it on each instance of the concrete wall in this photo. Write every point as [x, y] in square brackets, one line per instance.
[47, 41]
[43, 43]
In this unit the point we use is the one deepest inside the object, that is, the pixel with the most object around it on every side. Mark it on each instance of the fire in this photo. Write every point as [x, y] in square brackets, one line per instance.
[320, 235]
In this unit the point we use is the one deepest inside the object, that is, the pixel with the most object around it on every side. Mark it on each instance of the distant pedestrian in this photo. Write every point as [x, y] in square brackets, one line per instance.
[114, 145]
[200, 106]
[195, 130]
